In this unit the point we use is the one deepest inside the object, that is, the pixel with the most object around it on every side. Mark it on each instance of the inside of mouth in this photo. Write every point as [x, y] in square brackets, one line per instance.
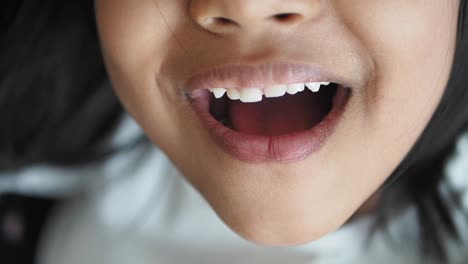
[275, 116]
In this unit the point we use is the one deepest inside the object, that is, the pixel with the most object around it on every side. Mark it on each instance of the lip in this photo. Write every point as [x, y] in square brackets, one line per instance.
[259, 76]
[254, 148]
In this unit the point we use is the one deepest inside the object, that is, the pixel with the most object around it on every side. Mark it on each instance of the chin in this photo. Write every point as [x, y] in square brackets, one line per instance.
[282, 216]
[283, 232]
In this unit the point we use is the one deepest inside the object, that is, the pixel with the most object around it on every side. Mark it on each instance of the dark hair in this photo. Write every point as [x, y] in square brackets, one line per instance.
[57, 106]
[56, 103]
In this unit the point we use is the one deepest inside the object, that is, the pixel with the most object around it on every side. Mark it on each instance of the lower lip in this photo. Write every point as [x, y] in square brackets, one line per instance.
[285, 148]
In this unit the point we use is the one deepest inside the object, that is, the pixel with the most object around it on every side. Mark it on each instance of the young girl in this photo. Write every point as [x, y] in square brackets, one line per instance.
[305, 131]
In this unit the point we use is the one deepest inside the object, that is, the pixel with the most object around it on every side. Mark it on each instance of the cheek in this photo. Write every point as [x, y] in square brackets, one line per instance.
[135, 40]
[130, 33]
[412, 44]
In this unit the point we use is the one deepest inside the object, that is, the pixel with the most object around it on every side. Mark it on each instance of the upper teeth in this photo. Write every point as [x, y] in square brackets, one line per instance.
[218, 92]
[252, 95]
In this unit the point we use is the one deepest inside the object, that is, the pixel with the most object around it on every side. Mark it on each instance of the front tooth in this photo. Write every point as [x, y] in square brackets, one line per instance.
[275, 91]
[295, 88]
[218, 92]
[233, 94]
[314, 87]
[251, 95]
[325, 83]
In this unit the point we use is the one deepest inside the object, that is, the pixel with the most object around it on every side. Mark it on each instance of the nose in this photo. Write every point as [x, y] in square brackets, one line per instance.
[230, 16]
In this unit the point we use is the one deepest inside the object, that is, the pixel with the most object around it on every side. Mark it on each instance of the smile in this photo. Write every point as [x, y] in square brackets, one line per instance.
[269, 113]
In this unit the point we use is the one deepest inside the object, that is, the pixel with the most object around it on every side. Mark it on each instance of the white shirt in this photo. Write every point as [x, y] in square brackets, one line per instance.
[138, 209]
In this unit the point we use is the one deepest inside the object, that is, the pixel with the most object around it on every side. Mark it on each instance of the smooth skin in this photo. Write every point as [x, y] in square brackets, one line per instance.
[398, 52]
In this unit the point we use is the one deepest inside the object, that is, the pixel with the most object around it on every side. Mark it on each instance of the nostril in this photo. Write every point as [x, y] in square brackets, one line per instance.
[220, 21]
[224, 21]
[287, 17]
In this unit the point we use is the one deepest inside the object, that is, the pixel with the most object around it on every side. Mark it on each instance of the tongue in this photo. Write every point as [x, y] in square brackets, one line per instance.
[276, 116]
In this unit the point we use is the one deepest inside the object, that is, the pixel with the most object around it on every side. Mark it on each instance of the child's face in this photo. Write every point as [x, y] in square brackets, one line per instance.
[396, 56]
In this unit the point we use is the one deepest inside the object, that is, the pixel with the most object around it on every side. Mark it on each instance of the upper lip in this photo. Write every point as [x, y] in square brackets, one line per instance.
[262, 75]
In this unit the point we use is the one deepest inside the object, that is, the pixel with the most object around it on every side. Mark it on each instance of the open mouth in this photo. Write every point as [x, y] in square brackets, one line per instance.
[277, 111]
[281, 123]
[292, 114]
